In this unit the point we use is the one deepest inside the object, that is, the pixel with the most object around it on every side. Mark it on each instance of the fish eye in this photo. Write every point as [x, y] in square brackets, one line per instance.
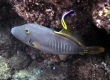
[27, 31]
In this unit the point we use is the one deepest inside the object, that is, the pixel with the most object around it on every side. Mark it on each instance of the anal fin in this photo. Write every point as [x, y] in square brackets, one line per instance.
[63, 57]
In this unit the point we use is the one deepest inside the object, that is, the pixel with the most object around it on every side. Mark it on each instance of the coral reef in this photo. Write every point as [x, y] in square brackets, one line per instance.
[5, 71]
[101, 15]
[38, 72]
[21, 62]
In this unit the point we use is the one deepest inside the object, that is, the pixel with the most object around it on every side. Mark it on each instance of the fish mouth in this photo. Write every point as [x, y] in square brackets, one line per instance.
[29, 40]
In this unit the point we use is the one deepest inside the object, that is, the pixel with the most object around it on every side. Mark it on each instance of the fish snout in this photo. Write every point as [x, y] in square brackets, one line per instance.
[13, 30]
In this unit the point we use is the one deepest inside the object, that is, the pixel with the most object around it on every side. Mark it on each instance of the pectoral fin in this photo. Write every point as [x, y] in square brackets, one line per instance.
[63, 57]
[35, 44]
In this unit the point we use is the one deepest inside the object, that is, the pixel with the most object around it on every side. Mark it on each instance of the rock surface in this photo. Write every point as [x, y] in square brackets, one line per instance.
[21, 62]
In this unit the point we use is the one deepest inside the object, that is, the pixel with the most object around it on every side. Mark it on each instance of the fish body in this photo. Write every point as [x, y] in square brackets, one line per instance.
[45, 39]
[48, 40]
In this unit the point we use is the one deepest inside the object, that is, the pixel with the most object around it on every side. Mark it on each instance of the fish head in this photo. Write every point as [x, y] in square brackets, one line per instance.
[26, 33]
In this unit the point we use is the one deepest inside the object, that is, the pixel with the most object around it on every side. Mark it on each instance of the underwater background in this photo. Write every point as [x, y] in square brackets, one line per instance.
[91, 20]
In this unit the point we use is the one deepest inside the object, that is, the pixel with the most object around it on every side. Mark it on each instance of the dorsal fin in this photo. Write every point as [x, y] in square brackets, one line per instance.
[74, 37]
[66, 32]
[78, 38]
[63, 16]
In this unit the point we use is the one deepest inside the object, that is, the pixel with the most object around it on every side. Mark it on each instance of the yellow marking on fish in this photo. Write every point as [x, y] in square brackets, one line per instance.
[36, 44]
[64, 24]
[92, 50]
[27, 31]
[63, 16]
[69, 35]
[85, 51]
[102, 49]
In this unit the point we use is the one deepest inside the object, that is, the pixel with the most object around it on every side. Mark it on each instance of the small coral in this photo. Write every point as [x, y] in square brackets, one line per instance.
[42, 71]
[101, 15]
[32, 74]
[5, 71]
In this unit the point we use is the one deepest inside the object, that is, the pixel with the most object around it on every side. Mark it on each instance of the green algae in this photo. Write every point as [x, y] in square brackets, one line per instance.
[31, 74]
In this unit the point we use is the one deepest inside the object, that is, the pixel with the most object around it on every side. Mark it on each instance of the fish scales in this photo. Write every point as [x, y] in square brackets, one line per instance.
[58, 44]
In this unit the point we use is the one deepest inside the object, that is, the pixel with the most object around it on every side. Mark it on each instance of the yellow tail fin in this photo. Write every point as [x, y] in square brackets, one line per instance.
[92, 50]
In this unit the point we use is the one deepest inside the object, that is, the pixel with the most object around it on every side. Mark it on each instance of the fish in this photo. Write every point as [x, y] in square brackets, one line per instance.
[62, 43]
